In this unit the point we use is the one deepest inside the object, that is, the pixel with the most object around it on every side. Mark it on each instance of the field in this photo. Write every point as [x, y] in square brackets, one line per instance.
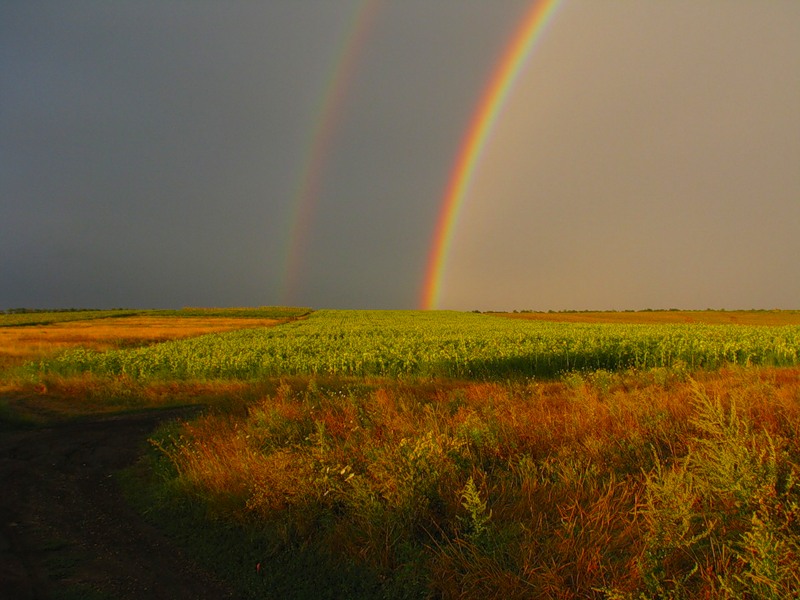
[22, 344]
[439, 344]
[402, 454]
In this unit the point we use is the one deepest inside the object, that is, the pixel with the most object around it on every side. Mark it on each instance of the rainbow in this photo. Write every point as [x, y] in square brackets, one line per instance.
[329, 113]
[484, 117]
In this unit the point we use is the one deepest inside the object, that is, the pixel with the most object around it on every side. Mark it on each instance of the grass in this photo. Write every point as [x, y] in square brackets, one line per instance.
[59, 398]
[261, 312]
[651, 481]
[39, 335]
[25, 401]
[623, 485]
[436, 344]
[22, 344]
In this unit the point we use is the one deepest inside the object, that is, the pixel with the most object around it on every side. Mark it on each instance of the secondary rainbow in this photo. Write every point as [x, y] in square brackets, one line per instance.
[484, 117]
[329, 113]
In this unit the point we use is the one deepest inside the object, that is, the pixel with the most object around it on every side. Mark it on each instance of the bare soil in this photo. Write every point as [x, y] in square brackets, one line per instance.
[66, 530]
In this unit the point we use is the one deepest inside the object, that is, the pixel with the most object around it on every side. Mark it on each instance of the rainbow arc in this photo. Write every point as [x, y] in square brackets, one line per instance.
[329, 114]
[494, 97]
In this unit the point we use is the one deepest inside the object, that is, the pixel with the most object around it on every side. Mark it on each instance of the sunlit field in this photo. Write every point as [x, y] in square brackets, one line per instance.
[22, 344]
[42, 335]
[404, 454]
[640, 484]
[438, 344]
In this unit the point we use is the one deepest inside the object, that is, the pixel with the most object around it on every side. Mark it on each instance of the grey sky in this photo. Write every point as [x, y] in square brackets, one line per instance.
[150, 153]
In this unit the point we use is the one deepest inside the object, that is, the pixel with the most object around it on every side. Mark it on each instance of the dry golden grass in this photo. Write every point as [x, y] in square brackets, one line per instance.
[555, 489]
[22, 344]
[710, 317]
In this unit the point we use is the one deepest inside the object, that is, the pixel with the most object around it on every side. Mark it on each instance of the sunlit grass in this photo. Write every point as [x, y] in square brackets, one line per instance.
[22, 344]
[600, 484]
[55, 396]
[439, 344]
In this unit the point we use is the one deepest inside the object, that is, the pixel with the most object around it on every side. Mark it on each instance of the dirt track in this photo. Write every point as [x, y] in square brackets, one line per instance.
[66, 530]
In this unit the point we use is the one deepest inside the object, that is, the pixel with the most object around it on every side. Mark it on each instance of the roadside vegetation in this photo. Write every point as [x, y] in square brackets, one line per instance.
[601, 485]
[381, 454]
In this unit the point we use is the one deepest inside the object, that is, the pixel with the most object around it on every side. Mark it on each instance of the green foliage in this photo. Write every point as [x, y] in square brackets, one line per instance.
[476, 524]
[438, 344]
[730, 507]
[623, 479]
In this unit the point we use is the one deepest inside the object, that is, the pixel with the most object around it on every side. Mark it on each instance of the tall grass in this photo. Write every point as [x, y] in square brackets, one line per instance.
[438, 344]
[627, 485]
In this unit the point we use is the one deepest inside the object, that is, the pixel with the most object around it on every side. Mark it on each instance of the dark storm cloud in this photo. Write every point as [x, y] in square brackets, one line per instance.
[146, 147]
[151, 149]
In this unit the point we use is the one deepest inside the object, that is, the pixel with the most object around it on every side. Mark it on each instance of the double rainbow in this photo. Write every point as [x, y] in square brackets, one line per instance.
[483, 120]
[329, 113]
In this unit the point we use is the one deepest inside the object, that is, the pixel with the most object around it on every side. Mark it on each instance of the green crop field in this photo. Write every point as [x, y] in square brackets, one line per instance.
[439, 344]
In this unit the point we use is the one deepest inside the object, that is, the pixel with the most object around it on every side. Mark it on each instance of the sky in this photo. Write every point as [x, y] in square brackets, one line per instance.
[169, 153]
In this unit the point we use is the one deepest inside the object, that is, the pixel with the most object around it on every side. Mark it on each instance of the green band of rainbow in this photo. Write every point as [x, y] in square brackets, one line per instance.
[483, 120]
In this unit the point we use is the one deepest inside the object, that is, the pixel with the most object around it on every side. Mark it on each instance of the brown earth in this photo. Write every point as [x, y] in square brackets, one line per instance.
[66, 531]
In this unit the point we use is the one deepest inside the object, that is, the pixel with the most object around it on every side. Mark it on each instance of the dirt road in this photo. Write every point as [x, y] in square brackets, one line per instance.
[65, 528]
